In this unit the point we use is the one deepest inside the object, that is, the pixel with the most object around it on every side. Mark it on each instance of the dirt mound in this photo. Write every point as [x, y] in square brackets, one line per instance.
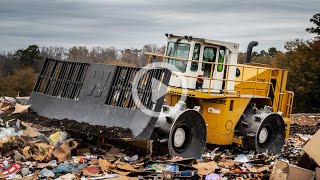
[74, 126]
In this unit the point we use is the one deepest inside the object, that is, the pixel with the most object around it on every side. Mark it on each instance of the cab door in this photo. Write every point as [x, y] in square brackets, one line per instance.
[216, 55]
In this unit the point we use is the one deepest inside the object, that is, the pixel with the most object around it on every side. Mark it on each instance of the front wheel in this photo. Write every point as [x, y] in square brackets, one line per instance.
[187, 136]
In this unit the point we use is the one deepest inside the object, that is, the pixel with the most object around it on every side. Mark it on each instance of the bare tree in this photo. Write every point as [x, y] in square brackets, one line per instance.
[54, 52]
[78, 53]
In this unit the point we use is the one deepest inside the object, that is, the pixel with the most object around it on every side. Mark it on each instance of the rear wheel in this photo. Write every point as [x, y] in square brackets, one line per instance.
[262, 130]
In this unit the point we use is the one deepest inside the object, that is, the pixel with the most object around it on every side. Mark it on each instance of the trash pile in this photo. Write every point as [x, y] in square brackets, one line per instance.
[34, 151]
[305, 123]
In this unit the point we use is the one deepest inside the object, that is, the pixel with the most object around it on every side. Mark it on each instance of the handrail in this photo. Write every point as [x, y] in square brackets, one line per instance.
[226, 79]
[270, 87]
[213, 63]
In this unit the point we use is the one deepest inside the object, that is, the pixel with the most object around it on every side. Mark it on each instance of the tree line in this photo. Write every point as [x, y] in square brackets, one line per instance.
[19, 69]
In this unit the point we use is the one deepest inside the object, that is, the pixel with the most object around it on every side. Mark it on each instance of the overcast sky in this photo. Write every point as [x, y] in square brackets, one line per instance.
[133, 23]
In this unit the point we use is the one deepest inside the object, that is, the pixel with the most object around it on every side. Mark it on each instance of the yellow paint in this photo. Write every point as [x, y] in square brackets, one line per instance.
[237, 140]
[254, 83]
[287, 124]
[219, 118]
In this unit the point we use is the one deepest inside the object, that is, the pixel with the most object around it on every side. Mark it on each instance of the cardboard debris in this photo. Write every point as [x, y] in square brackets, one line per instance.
[114, 150]
[185, 161]
[125, 166]
[38, 152]
[167, 175]
[206, 167]
[317, 173]
[6, 108]
[312, 147]
[258, 169]
[19, 108]
[284, 171]
[104, 164]
[29, 131]
[5, 139]
[42, 165]
[227, 162]
[64, 151]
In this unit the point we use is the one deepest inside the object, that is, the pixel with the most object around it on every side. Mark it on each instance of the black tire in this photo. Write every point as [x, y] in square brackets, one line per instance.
[257, 122]
[194, 127]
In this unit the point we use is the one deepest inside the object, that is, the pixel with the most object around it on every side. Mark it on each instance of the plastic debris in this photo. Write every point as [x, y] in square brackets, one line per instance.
[213, 176]
[67, 167]
[25, 171]
[9, 168]
[58, 138]
[67, 177]
[5, 132]
[45, 173]
[159, 167]
[131, 159]
[241, 158]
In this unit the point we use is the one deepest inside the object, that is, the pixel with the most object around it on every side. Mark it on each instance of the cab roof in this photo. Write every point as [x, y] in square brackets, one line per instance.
[233, 47]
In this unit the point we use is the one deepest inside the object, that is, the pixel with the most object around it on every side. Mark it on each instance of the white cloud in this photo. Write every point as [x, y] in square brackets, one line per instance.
[136, 22]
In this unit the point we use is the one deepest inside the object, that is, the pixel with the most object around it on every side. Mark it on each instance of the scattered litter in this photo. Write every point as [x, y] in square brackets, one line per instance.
[67, 177]
[64, 151]
[58, 138]
[31, 151]
[45, 173]
[67, 167]
[131, 159]
[241, 158]
[5, 132]
[312, 147]
[213, 176]
[9, 168]
[19, 108]
[159, 167]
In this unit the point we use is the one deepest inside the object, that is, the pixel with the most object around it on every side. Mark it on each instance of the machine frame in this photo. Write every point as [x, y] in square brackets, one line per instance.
[261, 85]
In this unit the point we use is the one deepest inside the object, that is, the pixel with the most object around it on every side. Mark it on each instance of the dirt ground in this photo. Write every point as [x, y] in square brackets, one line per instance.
[304, 123]
[74, 126]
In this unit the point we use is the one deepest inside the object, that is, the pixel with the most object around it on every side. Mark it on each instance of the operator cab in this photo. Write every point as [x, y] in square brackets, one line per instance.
[198, 73]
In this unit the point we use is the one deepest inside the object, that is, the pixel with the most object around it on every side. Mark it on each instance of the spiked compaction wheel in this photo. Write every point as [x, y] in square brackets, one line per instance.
[262, 130]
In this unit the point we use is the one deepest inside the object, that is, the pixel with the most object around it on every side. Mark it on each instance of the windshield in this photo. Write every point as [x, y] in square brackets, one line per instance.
[179, 50]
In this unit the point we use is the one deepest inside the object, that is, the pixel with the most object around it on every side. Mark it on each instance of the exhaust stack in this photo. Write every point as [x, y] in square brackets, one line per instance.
[249, 50]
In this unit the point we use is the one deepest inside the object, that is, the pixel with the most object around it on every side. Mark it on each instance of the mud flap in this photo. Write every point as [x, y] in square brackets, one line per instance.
[99, 94]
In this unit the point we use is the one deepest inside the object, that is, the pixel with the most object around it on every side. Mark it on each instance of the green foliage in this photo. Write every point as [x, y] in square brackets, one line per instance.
[21, 82]
[302, 60]
[315, 30]
[264, 57]
[29, 56]
[272, 51]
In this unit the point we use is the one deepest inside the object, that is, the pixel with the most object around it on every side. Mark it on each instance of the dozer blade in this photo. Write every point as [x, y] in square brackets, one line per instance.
[99, 94]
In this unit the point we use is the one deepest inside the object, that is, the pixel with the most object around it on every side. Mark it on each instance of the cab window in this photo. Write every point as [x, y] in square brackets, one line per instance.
[209, 55]
[195, 56]
[179, 50]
